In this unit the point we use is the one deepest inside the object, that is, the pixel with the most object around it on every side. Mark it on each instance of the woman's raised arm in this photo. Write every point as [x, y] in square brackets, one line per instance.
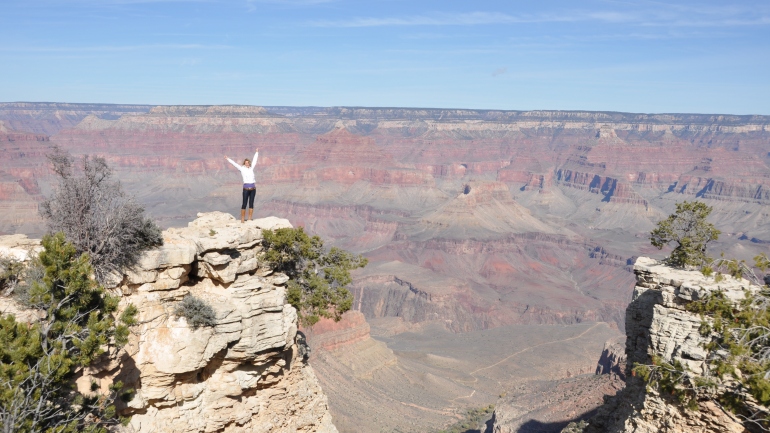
[254, 164]
[235, 164]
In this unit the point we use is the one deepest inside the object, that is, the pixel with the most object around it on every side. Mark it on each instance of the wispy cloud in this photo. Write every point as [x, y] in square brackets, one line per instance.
[114, 48]
[133, 2]
[726, 22]
[717, 17]
[293, 2]
[252, 4]
[443, 19]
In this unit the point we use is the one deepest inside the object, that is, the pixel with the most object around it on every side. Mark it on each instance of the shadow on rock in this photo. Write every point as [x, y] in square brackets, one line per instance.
[535, 426]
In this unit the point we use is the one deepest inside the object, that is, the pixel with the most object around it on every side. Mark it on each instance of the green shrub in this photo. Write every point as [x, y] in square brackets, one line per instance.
[11, 271]
[317, 277]
[38, 361]
[197, 312]
[472, 420]
[688, 229]
[575, 427]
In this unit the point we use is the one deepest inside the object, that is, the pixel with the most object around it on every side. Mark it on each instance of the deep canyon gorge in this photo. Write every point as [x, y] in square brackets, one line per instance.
[501, 243]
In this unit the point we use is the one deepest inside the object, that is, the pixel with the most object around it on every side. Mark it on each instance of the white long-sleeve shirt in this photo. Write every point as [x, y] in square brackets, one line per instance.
[246, 172]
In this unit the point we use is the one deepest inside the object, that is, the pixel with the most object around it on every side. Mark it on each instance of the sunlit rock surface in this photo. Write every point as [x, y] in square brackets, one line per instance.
[246, 373]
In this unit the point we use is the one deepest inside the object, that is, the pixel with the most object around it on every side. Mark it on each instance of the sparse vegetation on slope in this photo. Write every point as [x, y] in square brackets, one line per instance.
[472, 420]
[317, 277]
[10, 274]
[38, 361]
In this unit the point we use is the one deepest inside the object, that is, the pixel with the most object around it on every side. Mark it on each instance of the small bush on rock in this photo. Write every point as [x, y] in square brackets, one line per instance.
[96, 215]
[317, 277]
[575, 427]
[738, 351]
[11, 271]
[197, 312]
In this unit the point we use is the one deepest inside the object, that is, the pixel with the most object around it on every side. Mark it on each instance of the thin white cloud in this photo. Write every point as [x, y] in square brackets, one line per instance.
[727, 22]
[134, 2]
[443, 19]
[251, 5]
[650, 18]
[293, 2]
[114, 48]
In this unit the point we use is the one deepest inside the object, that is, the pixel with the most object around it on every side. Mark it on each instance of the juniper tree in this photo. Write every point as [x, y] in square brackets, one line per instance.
[96, 215]
[688, 229]
[38, 361]
[317, 277]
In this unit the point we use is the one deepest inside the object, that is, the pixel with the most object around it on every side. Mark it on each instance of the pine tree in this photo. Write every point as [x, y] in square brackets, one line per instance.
[38, 361]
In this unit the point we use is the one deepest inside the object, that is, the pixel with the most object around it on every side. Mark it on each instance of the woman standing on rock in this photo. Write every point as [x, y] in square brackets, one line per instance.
[249, 183]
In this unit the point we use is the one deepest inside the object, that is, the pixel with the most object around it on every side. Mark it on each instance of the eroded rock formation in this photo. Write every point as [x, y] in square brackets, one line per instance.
[658, 324]
[246, 373]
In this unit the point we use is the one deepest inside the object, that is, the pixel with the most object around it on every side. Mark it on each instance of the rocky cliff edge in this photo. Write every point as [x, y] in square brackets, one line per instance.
[658, 324]
[246, 373]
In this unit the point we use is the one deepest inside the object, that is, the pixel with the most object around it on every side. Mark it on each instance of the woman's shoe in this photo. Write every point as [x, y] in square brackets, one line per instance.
[243, 214]
[251, 214]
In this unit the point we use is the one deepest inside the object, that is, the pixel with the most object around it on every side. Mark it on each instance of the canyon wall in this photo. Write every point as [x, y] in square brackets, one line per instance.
[541, 191]
[472, 220]
[51, 117]
[420, 191]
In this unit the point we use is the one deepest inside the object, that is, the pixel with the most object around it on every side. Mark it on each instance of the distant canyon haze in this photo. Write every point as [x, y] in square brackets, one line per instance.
[515, 227]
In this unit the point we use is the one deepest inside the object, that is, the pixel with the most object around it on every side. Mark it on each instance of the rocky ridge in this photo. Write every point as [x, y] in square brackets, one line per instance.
[658, 324]
[246, 373]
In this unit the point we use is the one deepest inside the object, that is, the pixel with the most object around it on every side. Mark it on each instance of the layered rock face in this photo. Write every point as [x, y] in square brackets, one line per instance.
[21, 157]
[658, 324]
[246, 373]
[423, 187]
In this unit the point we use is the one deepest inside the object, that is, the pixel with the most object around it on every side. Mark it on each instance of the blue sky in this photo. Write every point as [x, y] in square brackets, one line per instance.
[645, 56]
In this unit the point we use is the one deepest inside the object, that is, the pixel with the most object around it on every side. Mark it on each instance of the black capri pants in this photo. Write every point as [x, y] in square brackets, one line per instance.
[248, 196]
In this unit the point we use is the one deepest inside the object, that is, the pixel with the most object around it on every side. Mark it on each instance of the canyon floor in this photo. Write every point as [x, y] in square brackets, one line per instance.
[420, 379]
[500, 242]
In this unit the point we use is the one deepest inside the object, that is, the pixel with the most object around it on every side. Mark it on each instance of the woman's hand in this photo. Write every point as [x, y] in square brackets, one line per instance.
[257, 149]
[226, 157]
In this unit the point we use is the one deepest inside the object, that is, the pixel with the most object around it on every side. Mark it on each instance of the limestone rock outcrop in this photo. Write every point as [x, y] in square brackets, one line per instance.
[246, 373]
[658, 324]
